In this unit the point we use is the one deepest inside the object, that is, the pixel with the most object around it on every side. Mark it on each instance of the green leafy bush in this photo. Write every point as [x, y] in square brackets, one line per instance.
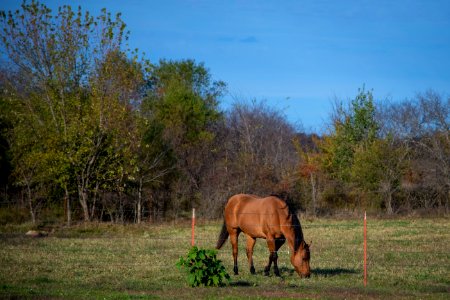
[203, 268]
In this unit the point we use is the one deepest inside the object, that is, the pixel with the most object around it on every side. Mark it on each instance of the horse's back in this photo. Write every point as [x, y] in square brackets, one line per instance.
[256, 216]
[251, 204]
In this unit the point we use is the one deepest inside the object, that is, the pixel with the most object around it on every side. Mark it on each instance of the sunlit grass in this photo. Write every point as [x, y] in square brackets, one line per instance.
[408, 258]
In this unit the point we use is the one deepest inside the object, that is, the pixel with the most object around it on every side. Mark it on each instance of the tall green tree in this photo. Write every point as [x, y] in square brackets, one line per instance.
[353, 128]
[73, 89]
[378, 169]
[184, 104]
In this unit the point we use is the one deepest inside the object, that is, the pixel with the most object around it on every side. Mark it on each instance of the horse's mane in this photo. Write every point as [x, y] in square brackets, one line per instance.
[295, 222]
[297, 230]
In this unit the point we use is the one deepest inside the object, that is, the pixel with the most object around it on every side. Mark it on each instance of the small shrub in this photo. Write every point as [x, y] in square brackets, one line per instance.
[203, 268]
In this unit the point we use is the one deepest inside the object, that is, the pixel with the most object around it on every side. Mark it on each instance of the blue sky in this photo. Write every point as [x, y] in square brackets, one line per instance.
[297, 55]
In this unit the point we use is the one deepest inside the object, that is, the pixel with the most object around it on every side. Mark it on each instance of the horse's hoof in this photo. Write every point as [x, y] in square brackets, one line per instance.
[252, 270]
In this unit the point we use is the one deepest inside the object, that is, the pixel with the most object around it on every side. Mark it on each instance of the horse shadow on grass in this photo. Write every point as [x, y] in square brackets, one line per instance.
[287, 272]
[319, 272]
[241, 283]
[328, 272]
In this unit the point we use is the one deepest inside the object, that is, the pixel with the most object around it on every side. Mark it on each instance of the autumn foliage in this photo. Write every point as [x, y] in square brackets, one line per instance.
[91, 130]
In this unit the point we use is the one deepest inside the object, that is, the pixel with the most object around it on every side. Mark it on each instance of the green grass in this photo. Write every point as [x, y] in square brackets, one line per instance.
[408, 258]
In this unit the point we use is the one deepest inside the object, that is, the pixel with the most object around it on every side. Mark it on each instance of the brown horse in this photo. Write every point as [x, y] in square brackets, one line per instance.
[268, 218]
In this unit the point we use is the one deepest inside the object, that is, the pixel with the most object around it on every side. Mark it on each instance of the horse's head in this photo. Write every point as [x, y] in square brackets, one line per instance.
[300, 260]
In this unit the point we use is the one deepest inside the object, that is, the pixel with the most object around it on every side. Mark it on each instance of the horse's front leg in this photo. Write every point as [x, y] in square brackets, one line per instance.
[234, 234]
[250, 244]
[278, 243]
[272, 255]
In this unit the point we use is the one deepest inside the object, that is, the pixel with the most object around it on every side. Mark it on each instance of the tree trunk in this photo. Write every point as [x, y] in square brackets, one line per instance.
[313, 191]
[150, 209]
[82, 195]
[139, 204]
[387, 190]
[94, 201]
[121, 208]
[389, 209]
[68, 209]
[30, 203]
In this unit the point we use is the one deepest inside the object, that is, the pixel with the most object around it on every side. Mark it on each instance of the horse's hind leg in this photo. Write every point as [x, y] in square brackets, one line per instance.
[234, 234]
[250, 244]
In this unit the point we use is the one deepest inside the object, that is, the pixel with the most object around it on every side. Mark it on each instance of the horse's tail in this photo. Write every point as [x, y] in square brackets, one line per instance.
[223, 236]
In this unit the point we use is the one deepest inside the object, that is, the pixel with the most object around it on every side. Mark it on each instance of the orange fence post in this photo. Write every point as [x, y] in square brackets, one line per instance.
[193, 227]
[365, 249]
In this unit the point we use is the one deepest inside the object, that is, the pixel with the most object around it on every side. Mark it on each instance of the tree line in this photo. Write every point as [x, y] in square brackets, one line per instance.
[92, 130]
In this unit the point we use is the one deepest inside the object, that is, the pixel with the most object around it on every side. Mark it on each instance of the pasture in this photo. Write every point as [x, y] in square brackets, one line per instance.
[408, 258]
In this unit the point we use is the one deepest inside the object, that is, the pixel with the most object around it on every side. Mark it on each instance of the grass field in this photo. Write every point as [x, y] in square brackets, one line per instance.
[408, 258]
